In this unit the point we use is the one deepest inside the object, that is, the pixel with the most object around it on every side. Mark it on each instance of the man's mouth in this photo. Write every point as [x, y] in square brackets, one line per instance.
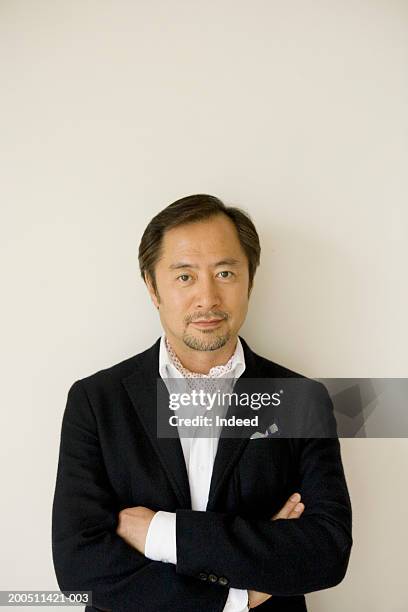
[210, 323]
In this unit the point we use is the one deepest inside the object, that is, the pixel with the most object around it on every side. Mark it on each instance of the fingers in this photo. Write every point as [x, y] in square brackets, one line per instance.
[293, 508]
[297, 511]
[256, 598]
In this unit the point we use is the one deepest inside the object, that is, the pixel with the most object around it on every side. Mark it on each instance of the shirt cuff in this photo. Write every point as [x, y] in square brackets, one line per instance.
[160, 542]
[237, 600]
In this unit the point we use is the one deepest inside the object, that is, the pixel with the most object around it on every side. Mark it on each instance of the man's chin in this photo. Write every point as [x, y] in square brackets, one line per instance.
[206, 340]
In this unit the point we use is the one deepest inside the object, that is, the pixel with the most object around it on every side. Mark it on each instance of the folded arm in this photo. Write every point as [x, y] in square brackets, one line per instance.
[280, 557]
[88, 554]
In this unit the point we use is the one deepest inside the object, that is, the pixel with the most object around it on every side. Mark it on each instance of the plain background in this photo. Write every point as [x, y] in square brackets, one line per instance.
[293, 110]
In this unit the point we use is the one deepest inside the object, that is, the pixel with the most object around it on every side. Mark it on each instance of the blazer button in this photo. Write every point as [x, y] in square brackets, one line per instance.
[213, 578]
[202, 576]
[222, 580]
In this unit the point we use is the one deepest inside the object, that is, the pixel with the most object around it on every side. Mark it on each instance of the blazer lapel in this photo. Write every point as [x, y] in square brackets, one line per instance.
[141, 387]
[229, 450]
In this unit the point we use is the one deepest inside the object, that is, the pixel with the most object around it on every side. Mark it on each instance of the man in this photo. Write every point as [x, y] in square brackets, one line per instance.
[154, 523]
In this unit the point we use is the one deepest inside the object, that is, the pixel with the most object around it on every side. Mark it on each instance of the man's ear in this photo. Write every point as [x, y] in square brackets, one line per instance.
[150, 288]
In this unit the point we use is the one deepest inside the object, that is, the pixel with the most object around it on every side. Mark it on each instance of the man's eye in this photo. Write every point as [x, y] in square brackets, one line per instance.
[187, 276]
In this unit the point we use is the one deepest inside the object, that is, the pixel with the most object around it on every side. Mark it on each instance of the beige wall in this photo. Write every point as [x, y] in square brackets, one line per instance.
[112, 109]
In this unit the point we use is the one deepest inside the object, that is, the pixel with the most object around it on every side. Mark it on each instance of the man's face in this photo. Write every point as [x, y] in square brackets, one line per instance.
[202, 275]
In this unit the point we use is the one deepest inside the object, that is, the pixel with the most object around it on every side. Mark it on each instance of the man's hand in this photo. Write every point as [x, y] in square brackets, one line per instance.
[133, 525]
[291, 510]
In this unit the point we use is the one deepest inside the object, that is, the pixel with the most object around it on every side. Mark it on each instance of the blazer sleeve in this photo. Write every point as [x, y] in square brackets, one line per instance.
[280, 557]
[88, 554]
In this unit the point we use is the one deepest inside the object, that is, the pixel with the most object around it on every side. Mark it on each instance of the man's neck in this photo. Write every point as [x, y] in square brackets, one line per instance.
[202, 361]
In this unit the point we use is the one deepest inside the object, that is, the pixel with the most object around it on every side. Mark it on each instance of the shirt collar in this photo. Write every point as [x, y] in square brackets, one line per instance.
[170, 367]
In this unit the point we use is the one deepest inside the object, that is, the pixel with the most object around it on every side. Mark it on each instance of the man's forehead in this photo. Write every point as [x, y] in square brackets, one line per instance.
[210, 248]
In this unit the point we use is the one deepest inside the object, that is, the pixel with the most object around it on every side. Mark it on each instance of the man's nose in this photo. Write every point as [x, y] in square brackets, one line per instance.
[208, 295]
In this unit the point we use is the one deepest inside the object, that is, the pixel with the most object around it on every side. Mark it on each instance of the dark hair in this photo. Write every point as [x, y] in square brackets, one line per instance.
[189, 210]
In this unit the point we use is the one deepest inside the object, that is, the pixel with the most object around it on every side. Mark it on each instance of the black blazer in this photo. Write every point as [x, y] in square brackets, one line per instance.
[111, 458]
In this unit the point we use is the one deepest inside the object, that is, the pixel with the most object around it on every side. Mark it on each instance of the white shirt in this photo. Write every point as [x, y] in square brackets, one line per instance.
[199, 455]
